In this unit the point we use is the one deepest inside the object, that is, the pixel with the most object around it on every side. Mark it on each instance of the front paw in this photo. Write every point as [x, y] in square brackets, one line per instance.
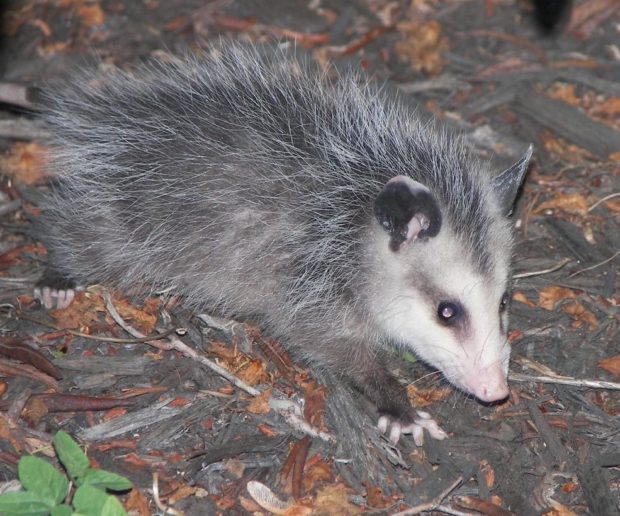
[416, 428]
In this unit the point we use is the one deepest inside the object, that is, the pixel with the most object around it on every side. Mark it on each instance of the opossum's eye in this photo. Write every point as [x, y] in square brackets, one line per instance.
[448, 312]
[503, 304]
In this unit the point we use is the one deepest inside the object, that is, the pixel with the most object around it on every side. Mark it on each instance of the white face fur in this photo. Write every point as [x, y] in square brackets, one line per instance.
[424, 282]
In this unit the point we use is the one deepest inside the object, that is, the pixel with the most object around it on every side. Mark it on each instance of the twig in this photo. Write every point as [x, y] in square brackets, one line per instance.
[604, 199]
[566, 380]
[594, 266]
[164, 508]
[115, 340]
[177, 345]
[509, 38]
[10, 207]
[434, 503]
[286, 408]
[357, 44]
[454, 512]
[556, 267]
[15, 95]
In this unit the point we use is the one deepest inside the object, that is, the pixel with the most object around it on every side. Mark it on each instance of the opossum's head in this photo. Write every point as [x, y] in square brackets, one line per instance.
[444, 277]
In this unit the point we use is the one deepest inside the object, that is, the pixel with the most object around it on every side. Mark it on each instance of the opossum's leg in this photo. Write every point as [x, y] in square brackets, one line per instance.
[55, 290]
[396, 412]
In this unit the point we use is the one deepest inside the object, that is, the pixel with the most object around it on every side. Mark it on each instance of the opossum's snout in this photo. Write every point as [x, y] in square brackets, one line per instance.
[488, 384]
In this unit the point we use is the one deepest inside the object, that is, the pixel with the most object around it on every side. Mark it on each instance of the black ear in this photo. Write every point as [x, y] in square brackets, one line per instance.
[407, 210]
[506, 184]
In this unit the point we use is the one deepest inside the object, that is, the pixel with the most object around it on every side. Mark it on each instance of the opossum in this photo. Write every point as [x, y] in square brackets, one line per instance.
[250, 182]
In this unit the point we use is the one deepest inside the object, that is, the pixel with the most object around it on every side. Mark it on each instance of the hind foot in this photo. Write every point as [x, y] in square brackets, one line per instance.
[423, 421]
[54, 298]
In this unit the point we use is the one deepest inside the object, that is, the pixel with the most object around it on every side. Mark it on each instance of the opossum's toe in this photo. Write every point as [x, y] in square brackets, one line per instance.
[54, 298]
[383, 423]
[416, 429]
[55, 290]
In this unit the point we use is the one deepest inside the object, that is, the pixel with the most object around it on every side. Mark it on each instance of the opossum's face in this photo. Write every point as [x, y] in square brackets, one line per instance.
[434, 302]
[434, 296]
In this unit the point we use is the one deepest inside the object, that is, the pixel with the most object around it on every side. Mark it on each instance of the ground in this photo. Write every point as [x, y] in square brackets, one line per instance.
[193, 441]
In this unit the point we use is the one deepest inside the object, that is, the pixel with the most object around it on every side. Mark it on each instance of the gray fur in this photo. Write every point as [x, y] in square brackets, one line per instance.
[246, 183]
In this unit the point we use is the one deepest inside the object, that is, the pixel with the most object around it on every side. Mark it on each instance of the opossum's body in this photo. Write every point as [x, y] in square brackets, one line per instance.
[256, 186]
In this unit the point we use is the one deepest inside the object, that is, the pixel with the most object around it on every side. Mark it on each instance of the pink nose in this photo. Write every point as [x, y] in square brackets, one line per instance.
[488, 384]
[491, 391]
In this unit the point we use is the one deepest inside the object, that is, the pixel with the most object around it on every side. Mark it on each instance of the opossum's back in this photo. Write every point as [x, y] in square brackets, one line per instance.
[189, 172]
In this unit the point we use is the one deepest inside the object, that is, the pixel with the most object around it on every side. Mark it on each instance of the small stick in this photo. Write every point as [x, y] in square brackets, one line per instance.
[179, 346]
[115, 340]
[566, 380]
[164, 508]
[595, 266]
[556, 267]
[604, 199]
[434, 503]
[286, 408]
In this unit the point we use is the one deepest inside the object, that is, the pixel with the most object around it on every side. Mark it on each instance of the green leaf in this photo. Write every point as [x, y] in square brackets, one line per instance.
[24, 503]
[62, 510]
[113, 507]
[39, 476]
[106, 480]
[71, 455]
[89, 500]
[409, 357]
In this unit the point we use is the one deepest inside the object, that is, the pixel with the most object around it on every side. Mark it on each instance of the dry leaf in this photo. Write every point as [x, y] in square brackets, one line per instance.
[298, 510]
[559, 147]
[375, 498]
[139, 319]
[420, 397]
[34, 411]
[52, 48]
[25, 163]
[5, 429]
[249, 505]
[315, 473]
[488, 472]
[254, 372]
[565, 93]
[266, 430]
[260, 403]
[519, 297]
[334, 499]
[179, 402]
[559, 510]
[14, 256]
[611, 365]
[614, 156]
[137, 503]
[82, 313]
[314, 407]
[570, 203]
[114, 413]
[266, 498]
[580, 315]
[235, 467]
[550, 296]
[570, 487]
[91, 14]
[609, 108]
[422, 46]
